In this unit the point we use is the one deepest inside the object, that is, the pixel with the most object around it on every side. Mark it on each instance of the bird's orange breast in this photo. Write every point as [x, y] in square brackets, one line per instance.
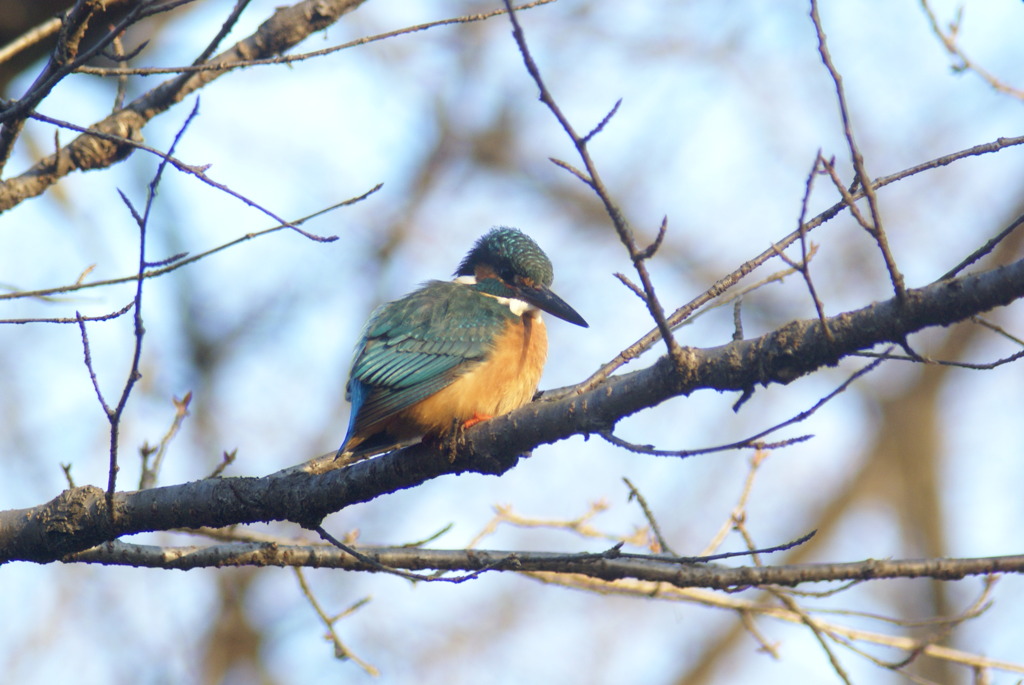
[506, 380]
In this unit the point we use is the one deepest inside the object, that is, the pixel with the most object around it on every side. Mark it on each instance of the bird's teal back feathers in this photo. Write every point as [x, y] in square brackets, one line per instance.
[417, 345]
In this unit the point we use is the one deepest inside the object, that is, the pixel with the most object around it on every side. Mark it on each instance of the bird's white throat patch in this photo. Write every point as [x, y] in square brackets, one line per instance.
[518, 307]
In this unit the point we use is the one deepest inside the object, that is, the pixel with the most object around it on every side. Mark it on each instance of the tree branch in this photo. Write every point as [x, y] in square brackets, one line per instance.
[286, 28]
[601, 566]
[77, 519]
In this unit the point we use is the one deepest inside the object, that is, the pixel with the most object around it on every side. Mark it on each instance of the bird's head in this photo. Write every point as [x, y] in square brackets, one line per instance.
[507, 263]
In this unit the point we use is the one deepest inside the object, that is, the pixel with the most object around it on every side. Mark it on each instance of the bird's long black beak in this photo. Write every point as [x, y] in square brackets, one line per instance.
[542, 298]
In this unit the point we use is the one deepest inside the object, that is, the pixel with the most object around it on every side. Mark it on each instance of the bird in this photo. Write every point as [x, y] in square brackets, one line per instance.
[454, 353]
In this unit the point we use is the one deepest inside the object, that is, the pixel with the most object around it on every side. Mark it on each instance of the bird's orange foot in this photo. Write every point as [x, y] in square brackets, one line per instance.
[475, 419]
[455, 436]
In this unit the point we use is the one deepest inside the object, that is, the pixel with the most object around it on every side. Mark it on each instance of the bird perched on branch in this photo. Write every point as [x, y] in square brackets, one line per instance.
[454, 353]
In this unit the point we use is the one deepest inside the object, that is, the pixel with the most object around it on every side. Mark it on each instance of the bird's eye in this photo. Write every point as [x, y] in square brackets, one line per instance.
[508, 275]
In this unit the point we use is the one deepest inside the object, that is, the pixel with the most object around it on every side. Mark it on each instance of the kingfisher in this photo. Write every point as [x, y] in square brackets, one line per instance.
[454, 353]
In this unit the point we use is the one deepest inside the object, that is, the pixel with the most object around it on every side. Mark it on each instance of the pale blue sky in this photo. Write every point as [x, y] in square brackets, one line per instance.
[724, 108]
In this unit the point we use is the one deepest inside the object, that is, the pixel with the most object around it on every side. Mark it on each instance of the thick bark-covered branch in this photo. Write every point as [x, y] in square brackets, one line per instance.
[78, 519]
[286, 28]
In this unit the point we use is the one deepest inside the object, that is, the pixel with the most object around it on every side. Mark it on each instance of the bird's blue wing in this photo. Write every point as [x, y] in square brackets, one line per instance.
[416, 346]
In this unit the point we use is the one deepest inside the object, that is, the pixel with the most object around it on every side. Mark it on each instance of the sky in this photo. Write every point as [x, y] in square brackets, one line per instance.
[724, 109]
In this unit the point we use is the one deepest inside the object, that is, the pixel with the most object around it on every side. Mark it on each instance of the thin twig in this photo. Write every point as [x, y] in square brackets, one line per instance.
[748, 443]
[78, 319]
[29, 38]
[119, 56]
[65, 59]
[966, 63]
[150, 474]
[377, 566]
[66, 468]
[682, 314]
[593, 179]
[981, 321]
[340, 650]
[754, 440]
[804, 267]
[89, 366]
[942, 362]
[300, 57]
[198, 171]
[225, 29]
[819, 631]
[705, 558]
[286, 28]
[581, 525]
[984, 249]
[874, 227]
[649, 515]
[181, 261]
[647, 589]
[114, 415]
[226, 460]
[741, 502]
[783, 595]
